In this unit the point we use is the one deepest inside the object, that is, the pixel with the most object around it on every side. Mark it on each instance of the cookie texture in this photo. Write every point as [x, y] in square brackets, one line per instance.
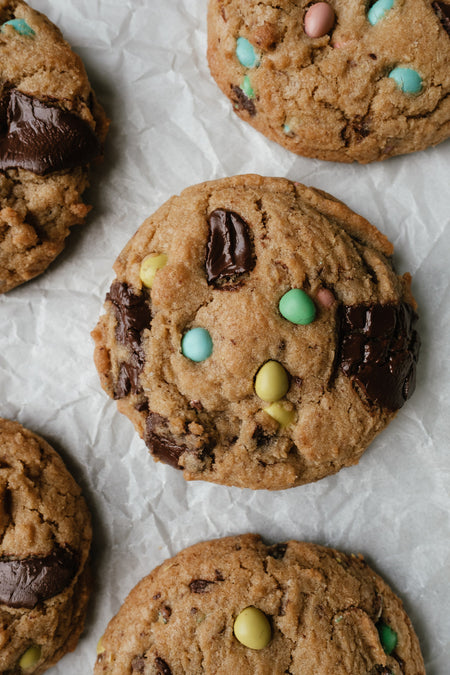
[51, 129]
[45, 535]
[346, 80]
[328, 614]
[208, 359]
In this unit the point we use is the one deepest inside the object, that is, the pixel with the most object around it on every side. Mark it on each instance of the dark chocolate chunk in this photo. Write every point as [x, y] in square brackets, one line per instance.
[242, 101]
[24, 583]
[163, 668]
[442, 10]
[200, 585]
[379, 350]
[42, 138]
[165, 612]
[159, 442]
[229, 248]
[277, 551]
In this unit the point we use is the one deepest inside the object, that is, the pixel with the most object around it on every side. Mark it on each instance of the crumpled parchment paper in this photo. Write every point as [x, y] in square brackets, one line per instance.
[171, 127]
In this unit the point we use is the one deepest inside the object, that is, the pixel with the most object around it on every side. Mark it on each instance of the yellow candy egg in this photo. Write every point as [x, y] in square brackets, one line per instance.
[271, 382]
[281, 414]
[252, 628]
[149, 266]
[30, 658]
[100, 647]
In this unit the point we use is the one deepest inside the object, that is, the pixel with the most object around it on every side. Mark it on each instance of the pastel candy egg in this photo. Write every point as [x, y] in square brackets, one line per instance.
[378, 10]
[388, 637]
[247, 88]
[149, 266]
[197, 344]
[100, 647]
[271, 382]
[407, 79]
[30, 658]
[319, 19]
[297, 307]
[252, 628]
[245, 53]
[281, 414]
[20, 26]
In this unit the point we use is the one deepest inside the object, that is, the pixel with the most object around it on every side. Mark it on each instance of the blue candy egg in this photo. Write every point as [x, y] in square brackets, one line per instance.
[245, 53]
[378, 10]
[197, 344]
[20, 26]
[407, 79]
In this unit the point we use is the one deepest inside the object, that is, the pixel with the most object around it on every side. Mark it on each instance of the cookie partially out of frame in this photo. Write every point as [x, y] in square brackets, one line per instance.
[51, 129]
[344, 80]
[257, 334]
[45, 535]
[235, 605]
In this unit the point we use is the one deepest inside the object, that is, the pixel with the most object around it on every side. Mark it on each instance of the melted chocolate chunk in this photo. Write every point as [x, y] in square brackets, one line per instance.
[277, 551]
[229, 248]
[24, 583]
[242, 101]
[133, 315]
[42, 138]
[159, 442]
[163, 668]
[200, 585]
[442, 10]
[379, 351]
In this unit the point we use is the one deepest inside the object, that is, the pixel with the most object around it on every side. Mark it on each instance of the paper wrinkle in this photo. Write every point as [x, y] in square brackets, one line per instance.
[171, 128]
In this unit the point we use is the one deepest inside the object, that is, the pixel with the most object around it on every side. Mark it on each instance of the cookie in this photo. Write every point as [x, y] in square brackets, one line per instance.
[45, 535]
[51, 129]
[235, 605]
[257, 334]
[345, 80]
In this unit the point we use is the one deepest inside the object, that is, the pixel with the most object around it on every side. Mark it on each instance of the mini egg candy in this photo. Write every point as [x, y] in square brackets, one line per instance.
[319, 20]
[30, 658]
[20, 26]
[297, 307]
[100, 647]
[252, 628]
[245, 53]
[271, 382]
[149, 266]
[407, 79]
[197, 344]
[388, 637]
[281, 414]
[378, 10]
[247, 88]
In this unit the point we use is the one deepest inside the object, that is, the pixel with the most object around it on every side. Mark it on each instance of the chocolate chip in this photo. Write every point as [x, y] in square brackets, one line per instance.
[379, 351]
[42, 138]
[442, 10]
[24, 583]
[242, 101]
[229, 248]
[160, 443]
[165, 612]
[200, 585]
[277, 551]
[163, 668]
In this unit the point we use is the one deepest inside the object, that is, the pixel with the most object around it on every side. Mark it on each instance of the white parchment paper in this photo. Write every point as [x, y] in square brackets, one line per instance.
[171, 127]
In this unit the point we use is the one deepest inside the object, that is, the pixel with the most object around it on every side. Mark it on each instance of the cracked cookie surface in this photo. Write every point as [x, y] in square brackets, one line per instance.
[204, 349]
[372, 83]
[328, 614]
[51, 129]
[45, 535]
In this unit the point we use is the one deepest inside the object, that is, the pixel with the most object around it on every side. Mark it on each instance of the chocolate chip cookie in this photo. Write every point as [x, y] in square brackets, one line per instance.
[51, 129]
[257, 334]
[344, 80]
[235, 605]
[45, 535]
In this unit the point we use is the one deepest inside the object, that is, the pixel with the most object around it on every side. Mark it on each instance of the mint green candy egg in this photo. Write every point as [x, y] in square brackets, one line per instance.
[407, 79]
[388, 637]
[20, 26]
[379, 10]
[245, 53]
[197, 344]
[297, 307]
[247, 88]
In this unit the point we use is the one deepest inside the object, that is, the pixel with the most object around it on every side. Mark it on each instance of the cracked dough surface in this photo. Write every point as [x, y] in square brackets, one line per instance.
[41, 510]
[37, 211]
[324, 608]
[206, 417]
[333, 92]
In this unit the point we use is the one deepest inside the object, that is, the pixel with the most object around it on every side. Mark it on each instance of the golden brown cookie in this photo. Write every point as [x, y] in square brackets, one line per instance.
[51, 129]
[342, 80]
[257, 334]
[45, 535]
[235, 605]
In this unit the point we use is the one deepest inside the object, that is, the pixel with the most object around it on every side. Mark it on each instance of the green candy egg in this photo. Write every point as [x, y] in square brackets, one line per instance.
[388, 637]
[245, 53]
[20, 26]
[247, 88]
[297, 307]
[406, 79]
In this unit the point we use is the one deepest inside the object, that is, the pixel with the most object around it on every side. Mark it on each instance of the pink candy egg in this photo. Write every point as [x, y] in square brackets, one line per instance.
[319, 19]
